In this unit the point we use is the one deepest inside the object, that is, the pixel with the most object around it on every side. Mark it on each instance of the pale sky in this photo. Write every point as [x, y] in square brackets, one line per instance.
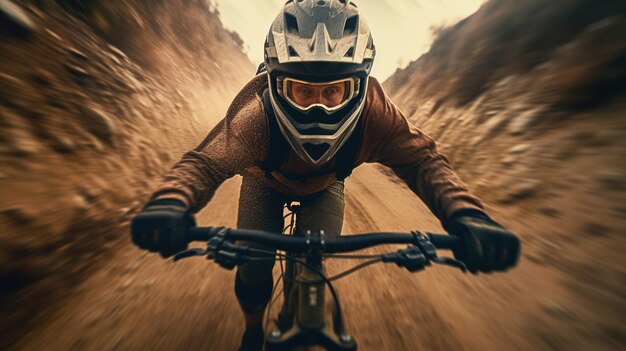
[402, 29]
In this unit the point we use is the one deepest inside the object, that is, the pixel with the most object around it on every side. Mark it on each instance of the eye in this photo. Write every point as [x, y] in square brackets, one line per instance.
[305, 91]
[331, 90]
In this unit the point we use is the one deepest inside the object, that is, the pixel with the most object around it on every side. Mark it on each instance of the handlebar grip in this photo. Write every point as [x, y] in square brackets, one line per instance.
[199, 233]
[444, 241]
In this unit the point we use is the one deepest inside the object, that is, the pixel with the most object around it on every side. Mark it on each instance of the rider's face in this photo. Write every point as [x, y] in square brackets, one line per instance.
[329, 95]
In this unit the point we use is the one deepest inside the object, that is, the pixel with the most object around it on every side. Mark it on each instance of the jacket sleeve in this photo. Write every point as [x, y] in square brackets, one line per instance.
[413, 156]
[236, 143]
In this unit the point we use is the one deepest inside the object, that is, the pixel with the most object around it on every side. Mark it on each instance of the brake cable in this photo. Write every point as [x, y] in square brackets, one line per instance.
[326, 281]
[355, 269]
[341, 256]
[273, 298]
[287, 230]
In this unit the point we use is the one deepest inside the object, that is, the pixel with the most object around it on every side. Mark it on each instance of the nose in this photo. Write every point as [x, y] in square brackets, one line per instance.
[319, 96]
[325, 101]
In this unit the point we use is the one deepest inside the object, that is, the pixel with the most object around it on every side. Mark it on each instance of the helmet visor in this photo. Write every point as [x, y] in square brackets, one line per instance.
[331, 96]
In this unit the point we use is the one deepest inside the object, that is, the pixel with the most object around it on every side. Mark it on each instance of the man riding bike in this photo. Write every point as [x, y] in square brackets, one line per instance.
[294, 133]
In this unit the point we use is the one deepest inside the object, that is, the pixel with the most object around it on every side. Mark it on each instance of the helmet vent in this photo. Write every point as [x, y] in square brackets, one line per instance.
[291, 23]
[350, 52]
[351, 25]
[316, 151]
[292, 51]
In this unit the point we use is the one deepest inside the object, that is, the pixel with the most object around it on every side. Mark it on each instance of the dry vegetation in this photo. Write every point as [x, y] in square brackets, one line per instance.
[528, 98]
[508, 39]
[97, 100]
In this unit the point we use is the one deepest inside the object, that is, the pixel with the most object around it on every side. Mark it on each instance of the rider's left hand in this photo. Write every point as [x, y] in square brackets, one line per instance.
[486, 245]
[161, 225]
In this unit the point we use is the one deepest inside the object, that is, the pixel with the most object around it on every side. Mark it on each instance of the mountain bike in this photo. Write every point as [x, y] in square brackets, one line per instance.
[301, 322]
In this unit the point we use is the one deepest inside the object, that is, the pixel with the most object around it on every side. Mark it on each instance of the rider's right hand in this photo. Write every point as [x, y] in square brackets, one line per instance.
[486, 245]
[161, 225]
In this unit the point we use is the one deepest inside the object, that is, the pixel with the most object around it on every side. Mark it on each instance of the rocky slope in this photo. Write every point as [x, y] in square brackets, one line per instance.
[97, 100]
[528, 101]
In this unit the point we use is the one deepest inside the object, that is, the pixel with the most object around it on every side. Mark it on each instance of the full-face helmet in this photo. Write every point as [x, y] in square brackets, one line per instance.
[318, 56]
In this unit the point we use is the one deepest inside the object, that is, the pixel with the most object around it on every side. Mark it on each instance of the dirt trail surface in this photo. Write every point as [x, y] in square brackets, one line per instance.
[99, 98]
[138, 301]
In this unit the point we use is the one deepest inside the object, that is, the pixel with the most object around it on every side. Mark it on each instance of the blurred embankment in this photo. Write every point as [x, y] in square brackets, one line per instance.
[528, 100]
[97, 100]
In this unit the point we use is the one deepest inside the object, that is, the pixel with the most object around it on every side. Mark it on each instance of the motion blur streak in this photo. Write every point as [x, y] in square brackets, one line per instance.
[410, 22]
[99, 98]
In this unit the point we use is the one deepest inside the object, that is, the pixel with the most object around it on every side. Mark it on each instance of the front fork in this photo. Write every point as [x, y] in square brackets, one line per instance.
[311, 296]
[309, 327]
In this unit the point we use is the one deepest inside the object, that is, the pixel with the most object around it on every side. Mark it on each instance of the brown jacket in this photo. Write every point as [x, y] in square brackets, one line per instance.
[239, 143]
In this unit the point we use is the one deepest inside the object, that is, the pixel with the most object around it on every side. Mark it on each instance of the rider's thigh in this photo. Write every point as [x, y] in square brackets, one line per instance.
[260, 208]
[323, 210]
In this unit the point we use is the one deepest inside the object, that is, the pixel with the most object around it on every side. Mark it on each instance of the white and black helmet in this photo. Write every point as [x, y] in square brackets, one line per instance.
[316, 42]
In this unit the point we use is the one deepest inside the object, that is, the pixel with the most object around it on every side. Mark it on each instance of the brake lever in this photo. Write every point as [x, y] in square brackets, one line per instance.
[415, 258]
[411, 258]
[190, 253]
[430, 251]
[449, 261]
[226, 253]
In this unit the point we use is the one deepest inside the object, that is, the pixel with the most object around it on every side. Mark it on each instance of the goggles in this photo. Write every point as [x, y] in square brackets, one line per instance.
[330, 96]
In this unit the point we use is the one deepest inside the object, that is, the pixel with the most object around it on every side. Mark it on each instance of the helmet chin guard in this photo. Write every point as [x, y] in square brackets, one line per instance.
[315, 148]
[318, 42]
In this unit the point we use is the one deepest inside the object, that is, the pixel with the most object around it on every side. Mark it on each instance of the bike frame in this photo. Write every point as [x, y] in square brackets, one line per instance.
[301, 321]
[304, 301]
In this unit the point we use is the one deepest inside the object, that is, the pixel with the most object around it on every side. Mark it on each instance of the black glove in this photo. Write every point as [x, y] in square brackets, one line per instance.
[161, 225]
[486, 245]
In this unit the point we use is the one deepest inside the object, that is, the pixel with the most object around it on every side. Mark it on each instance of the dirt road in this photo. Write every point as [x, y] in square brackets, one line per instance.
[137, 301]
[91, 114]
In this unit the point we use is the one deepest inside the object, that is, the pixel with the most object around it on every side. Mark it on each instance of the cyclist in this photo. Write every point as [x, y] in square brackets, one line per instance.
[295, 132]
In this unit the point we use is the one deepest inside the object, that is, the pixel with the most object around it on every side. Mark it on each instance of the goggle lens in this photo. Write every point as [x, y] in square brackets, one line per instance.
[329, 95]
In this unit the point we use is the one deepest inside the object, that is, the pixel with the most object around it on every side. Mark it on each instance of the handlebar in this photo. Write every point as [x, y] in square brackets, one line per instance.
[325, 244]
